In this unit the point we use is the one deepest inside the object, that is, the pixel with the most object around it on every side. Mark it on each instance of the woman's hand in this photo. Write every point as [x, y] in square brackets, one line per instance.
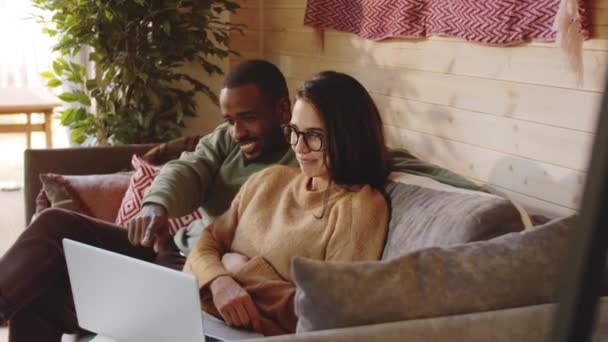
[233, 262]
[234, 304]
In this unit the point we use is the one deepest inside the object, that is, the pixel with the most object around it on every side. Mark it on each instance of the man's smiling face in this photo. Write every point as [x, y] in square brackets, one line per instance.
[255, 124]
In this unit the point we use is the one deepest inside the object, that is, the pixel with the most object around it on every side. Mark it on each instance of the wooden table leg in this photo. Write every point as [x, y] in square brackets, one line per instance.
[48, 123]
[28, 130]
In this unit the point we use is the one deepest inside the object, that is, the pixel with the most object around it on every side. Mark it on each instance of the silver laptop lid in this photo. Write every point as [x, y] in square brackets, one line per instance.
[132, 300]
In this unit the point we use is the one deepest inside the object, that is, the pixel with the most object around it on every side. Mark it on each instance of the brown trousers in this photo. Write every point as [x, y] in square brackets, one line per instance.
[35, 292]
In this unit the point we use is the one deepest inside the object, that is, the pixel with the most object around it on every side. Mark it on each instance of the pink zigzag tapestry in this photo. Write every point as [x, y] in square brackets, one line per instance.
[496, 22]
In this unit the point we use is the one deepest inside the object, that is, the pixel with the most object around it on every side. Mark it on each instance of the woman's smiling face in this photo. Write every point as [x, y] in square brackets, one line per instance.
[306, 118]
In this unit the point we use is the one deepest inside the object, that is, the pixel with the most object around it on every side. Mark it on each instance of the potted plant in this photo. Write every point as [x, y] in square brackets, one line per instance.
[138, 91]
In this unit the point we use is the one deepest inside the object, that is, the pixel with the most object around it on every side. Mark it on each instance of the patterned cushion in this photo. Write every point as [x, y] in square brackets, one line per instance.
[140, 182]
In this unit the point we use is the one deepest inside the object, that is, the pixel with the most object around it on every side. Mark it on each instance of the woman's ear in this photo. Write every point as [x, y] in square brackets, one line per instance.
[284, 109]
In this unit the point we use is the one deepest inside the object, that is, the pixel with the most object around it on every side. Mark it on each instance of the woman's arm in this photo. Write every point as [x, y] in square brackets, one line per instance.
[361, 224]
[234, 262]
[205, 262]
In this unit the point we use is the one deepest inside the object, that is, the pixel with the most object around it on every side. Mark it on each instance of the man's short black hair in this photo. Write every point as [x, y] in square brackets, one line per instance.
[265, 75]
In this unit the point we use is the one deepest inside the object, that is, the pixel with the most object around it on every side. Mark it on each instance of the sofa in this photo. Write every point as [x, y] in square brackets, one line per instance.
[421, 261]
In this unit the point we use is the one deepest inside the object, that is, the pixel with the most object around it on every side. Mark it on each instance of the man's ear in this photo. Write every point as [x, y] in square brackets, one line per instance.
[284, 109]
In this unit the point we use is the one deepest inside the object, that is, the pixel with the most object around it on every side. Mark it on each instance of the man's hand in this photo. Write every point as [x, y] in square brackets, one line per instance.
[149, 226]
[233, 262]
[235, 304]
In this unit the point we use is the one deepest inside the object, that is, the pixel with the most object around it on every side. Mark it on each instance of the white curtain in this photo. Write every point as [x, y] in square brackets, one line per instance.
[24, 50]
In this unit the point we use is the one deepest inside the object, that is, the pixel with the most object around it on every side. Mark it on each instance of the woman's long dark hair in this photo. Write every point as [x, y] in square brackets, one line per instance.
[355, 138]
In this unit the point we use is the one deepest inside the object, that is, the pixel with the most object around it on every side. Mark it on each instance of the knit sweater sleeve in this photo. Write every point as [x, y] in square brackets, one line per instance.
[205, 259]
[182, 184]
[360, 227]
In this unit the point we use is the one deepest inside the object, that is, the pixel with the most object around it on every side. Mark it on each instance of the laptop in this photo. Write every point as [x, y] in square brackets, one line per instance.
[123, 299]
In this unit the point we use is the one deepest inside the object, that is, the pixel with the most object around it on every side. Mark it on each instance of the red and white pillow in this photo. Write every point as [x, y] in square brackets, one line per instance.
[140, 182]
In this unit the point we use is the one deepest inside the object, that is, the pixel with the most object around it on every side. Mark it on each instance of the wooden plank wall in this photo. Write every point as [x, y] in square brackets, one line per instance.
[512, 118]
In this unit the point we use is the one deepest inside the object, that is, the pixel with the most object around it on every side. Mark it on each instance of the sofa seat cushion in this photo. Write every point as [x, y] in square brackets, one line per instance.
[530, 323]
[512, 270]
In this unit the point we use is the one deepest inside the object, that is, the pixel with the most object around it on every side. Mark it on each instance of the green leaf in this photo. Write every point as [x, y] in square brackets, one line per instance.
[142, 76]
[47, 74]
[107, 75]
[140, 2]
[79, 70]
[108, 14]
[166, 27]
[153, 98]
[78, 135]
[49, 32]
[82, 98]
[68, 97]
[179, 113]
[81, 114]
[73, 77]
[57, 67]
[67, 116]
[95, 56]
[91, 84]
[53, 82]
[63, 62]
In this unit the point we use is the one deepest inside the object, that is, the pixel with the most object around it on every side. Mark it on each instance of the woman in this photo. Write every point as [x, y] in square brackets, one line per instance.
[331, 208]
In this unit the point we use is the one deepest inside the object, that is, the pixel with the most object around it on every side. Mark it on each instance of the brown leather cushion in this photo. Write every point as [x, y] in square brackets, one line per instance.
[97, 196]
[165, 152]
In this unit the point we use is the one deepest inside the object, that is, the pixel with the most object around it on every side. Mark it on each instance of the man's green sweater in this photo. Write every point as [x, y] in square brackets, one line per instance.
[211, 176]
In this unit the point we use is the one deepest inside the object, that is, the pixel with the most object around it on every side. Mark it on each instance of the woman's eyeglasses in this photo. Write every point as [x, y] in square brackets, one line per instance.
[312, 139]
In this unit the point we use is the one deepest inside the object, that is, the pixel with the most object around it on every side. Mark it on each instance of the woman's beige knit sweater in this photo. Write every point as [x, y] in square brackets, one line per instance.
[273, 219]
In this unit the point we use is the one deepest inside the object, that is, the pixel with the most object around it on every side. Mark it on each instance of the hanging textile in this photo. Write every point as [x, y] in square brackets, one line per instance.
[495, 22]
[499, 22]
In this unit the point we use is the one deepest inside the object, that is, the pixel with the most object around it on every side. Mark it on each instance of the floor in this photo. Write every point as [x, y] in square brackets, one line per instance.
[12, 216]
[11, 224]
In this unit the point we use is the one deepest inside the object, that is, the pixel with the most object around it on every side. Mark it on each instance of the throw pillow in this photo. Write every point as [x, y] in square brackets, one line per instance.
[427, 213]
[513, 270]
[132, 201]
[97, 196]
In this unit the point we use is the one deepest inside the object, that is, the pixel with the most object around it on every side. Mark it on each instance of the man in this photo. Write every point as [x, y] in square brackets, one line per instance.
[255, 103]
[35, 295]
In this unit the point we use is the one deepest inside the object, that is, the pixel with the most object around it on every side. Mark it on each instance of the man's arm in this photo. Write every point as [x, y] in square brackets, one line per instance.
[179, 188]
[182, 183]
[403, 161]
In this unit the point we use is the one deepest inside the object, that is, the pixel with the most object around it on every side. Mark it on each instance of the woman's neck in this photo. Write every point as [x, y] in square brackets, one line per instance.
[318, 183]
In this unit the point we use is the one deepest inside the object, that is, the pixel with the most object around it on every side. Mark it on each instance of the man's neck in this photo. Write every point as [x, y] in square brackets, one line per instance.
[276, 149]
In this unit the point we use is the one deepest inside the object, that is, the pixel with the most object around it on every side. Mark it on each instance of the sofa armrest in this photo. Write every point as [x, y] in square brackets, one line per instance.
[528, 323]
[73, 161]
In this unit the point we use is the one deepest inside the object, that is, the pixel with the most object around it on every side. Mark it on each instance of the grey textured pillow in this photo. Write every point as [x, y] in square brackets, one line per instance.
[422, 217]
[513, 270]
